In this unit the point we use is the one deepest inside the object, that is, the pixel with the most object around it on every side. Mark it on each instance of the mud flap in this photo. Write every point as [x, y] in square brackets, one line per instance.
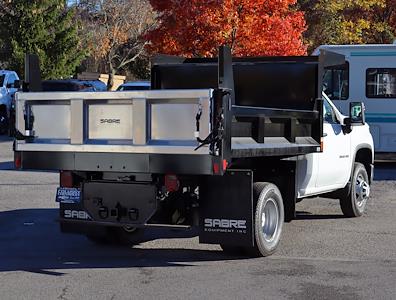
[226, 209]
[120, 203]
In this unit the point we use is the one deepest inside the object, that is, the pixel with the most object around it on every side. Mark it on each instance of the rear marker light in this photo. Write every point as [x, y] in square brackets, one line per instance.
[225, 164]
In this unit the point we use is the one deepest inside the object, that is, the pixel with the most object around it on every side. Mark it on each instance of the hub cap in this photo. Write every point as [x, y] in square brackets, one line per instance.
[270, 219]
[362, 190]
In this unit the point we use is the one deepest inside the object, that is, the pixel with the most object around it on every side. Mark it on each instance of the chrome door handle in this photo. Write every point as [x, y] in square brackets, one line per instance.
[324, 134]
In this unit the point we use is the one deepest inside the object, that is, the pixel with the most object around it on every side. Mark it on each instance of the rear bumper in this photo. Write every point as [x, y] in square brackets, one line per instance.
[188, 164]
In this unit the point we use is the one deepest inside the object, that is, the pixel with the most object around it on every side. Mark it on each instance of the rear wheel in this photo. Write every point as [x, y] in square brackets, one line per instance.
[128, 235]
[353, 203]
[102, 235]
[232, 250]
[125, 235]
[268, 219]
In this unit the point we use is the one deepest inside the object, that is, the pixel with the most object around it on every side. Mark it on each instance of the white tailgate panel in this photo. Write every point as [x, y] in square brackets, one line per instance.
[110, 121]
[59, 128]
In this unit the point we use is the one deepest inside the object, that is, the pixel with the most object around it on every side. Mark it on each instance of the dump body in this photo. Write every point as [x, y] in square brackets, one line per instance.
[200, 115]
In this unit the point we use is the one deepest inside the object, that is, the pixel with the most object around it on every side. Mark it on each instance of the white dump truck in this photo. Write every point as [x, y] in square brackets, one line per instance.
[226, 145]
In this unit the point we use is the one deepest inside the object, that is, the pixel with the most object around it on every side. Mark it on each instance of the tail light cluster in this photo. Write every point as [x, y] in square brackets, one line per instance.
[17, 160]
[66, 179]
[172, 183]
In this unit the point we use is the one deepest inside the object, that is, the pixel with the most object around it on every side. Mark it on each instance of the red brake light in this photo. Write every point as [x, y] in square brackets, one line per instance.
[66, 179]
[172, 184]
[17, 160]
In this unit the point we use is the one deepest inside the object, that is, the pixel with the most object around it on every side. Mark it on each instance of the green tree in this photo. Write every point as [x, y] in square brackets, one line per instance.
[44, 27]
[347, 22]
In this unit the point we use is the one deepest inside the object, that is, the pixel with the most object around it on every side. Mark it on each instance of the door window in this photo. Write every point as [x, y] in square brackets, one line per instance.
[11, 79]
[381, 83]
[328, 113]
[336, 82]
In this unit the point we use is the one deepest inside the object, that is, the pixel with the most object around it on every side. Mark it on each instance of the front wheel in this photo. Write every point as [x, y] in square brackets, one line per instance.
[268, 219]
[353, 204]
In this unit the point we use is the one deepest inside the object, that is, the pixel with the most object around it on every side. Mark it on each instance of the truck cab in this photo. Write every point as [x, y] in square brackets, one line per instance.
[346, 141]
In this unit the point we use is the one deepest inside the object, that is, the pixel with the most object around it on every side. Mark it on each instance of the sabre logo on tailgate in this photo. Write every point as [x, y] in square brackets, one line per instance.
[76, 214]
[110, 121]
[225, 225]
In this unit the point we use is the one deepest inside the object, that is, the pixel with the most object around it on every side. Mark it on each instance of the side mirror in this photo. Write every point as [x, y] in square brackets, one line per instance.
[15, 85]
[357, 113]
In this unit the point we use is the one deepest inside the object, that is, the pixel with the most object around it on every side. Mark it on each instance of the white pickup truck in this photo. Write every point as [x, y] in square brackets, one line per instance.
[223, 145]
[9, 83]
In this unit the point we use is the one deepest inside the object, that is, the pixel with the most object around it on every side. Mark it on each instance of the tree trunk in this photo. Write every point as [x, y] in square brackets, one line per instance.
[110, 82]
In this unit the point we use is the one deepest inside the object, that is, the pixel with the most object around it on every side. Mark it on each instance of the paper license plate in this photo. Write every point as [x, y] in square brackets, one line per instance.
[68, 195]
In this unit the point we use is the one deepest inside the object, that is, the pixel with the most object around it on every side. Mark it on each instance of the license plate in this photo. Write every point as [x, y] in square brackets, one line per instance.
[68, 195]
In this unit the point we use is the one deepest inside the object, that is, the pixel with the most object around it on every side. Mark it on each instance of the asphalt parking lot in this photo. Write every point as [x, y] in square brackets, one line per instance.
[322, 255]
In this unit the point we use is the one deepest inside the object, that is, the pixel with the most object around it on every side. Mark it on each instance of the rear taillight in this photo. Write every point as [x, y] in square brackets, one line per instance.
[172, 183]
[17, 160]
[66, 179]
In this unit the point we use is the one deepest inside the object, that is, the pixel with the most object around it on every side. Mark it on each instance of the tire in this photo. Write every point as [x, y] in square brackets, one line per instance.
[108, 235]
[102, 235]
[268, 219]
[128, 235]
[353, 203]
[232, 250]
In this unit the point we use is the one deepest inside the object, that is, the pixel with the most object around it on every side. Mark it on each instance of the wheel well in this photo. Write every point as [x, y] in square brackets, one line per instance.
[365, 156]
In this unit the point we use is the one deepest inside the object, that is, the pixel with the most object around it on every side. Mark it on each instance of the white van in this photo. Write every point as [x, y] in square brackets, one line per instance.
[369, 75]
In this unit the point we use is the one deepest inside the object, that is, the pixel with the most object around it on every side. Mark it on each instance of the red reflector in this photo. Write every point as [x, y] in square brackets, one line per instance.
[216, 168]
[225, 164]
[17, 160]
[66, 179]
[172, 184]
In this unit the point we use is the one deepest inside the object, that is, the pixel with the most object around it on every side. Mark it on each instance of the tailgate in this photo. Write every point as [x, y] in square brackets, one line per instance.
[100, 130]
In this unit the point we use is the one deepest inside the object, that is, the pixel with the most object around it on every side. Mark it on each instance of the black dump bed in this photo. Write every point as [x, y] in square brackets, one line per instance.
[275, 109]
[272, 82]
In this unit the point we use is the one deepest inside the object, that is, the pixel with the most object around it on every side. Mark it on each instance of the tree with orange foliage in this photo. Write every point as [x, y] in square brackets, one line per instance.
[196, 28]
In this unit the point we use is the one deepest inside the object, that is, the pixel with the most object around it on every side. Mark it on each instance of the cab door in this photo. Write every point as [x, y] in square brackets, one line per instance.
[335, 160]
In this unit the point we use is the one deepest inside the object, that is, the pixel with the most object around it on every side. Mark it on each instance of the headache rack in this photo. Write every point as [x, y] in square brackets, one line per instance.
[200, 117]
